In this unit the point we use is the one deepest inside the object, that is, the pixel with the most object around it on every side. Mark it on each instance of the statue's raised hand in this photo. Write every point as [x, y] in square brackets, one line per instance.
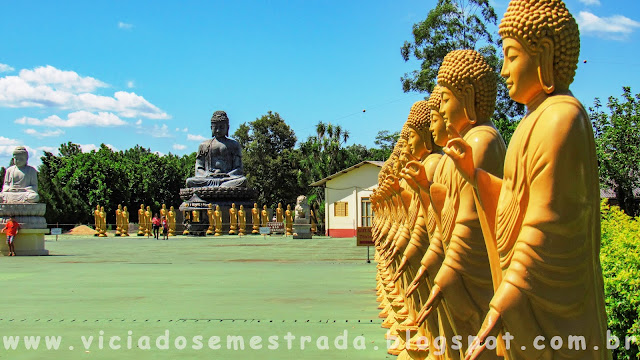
[461, 153]
[415, 174]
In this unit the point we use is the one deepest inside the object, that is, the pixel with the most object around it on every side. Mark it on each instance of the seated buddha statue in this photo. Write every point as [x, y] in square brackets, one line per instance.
[219, 161]
[20, 183]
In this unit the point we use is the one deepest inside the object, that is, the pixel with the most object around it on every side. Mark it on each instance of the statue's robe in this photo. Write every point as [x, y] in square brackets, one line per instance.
[465, 274]
[547, 228]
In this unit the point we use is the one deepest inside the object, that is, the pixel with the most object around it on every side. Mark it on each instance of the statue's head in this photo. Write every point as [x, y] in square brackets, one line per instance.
[20, 156]
[124, 209]
[541, 45]
[98, 207]
[217, 207]
[419, 137]
[149, 208]
[398, 164]
[171, 208]
[164, 206]
[142, 206]
[468, 89]
[120, 207]
[210, 206]
[301, 200]
[241, 207]
[289, 207]
[233, 205]
[101, 208]
[255, 205]
[219, 124]
[280, 205]
[264, 207]
[437, 126]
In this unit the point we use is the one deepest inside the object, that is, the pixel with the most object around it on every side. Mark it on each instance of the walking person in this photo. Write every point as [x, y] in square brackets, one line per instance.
[11, 228]
[155, 222]
[165, 228]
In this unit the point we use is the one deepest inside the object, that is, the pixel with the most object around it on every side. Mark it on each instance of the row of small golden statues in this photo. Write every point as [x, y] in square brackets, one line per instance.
[486, 251]
[237, 219]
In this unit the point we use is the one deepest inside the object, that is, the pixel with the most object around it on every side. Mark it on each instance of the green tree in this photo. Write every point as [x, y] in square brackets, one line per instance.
[454, 25]
[270, 160]
[386, 140]
[617, 135]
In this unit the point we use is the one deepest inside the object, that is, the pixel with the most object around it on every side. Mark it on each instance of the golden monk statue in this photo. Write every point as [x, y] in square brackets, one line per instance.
[96, 220]
[147, 222]
[119, 220]
[103, 222]
[195, 216]
[218, 218]
[279, 213]
[171, 219]
[314, 221]
[233, 219]
[124, 222]
[212, 220]
[163, 211]
[464, 279]
[141, 221]
[265, 216]
[255, 219]
[289, 220]
[242, 221]
[542, 218]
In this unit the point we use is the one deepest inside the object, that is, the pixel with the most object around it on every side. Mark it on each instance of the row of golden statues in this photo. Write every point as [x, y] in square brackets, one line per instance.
[237, 220]
[486, 251]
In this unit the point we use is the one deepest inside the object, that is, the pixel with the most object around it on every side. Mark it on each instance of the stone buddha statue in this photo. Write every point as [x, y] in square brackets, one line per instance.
[21, 180]
[219, 160]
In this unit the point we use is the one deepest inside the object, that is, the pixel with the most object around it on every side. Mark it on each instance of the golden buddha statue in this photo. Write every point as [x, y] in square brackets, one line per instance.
[96, 219]
[103, 222]
[289, 220]
[218, 219]
[163, 211]
[542, 219]
[171, 219]
[119, 220]
[279, 213]
[147, 222]
[265, 216]
[314, 221]
[233, 219]
[242, 221]
[212, 221]
[464, 281]
[124, 222]
[255, 219]
[195, 216]
[141, 221]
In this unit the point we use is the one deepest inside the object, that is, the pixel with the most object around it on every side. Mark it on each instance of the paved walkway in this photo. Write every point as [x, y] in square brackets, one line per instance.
[95, 290]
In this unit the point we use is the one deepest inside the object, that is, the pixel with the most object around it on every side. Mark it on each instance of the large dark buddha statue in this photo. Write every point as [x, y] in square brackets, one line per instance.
[219, 161]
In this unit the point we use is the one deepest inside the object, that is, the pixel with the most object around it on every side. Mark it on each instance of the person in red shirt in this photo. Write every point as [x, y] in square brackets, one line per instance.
[11, 228]
[156, 226]
[165, 229]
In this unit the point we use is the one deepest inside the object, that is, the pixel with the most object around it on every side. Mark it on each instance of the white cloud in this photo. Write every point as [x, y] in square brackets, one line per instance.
[124, 26]
[42, 134]
[191, 137]
[5, 68]
[615, 27]
[7, 145]
[74, 119]
[131, 84]
[93, 147]
[139, 123]
[159, 153]
[50, 149]
[185, 129]
[60, 79]
[179, 147]
[160, 131]
[590, 2]
[48, 87]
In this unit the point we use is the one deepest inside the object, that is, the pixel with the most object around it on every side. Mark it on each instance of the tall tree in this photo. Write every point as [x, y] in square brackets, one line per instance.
[617, 136]
[270, 161]
[454, 25]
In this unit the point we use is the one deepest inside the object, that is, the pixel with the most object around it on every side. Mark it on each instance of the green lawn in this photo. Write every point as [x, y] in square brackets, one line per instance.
[226, 286]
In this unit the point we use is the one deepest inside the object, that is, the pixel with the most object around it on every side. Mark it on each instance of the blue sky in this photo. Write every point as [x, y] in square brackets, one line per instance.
[152, 72]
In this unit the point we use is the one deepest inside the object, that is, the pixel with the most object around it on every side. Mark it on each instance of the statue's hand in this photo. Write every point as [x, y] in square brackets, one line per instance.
[461, 153]
[393, 183]
[432, 303]
[415, 172]
[490, 327]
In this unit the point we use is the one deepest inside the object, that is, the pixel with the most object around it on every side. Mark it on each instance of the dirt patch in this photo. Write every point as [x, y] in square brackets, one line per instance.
[82, 230]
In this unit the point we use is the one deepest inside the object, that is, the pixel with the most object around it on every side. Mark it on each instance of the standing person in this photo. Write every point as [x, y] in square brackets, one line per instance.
[165, 228]
[11, 228]
[156, 226]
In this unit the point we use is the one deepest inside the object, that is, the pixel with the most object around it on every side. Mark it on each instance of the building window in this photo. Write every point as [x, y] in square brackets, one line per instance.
[341, 208]
[367, 213]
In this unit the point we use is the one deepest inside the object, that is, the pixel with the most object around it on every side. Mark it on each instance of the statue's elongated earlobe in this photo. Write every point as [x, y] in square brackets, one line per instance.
[468, 98]
[545, 70]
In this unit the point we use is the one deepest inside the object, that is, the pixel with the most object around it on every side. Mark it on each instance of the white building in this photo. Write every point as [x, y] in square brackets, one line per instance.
[346, 194]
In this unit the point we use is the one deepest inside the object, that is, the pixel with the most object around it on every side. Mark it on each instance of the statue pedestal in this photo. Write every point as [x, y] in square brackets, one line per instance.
[302, 231]
[33, 226]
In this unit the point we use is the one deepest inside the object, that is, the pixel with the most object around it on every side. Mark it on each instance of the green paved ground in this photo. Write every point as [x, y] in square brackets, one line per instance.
[227, 286]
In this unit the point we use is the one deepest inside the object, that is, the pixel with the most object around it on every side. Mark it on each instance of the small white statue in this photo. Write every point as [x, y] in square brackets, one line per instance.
[302, 210]
[21, 180]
